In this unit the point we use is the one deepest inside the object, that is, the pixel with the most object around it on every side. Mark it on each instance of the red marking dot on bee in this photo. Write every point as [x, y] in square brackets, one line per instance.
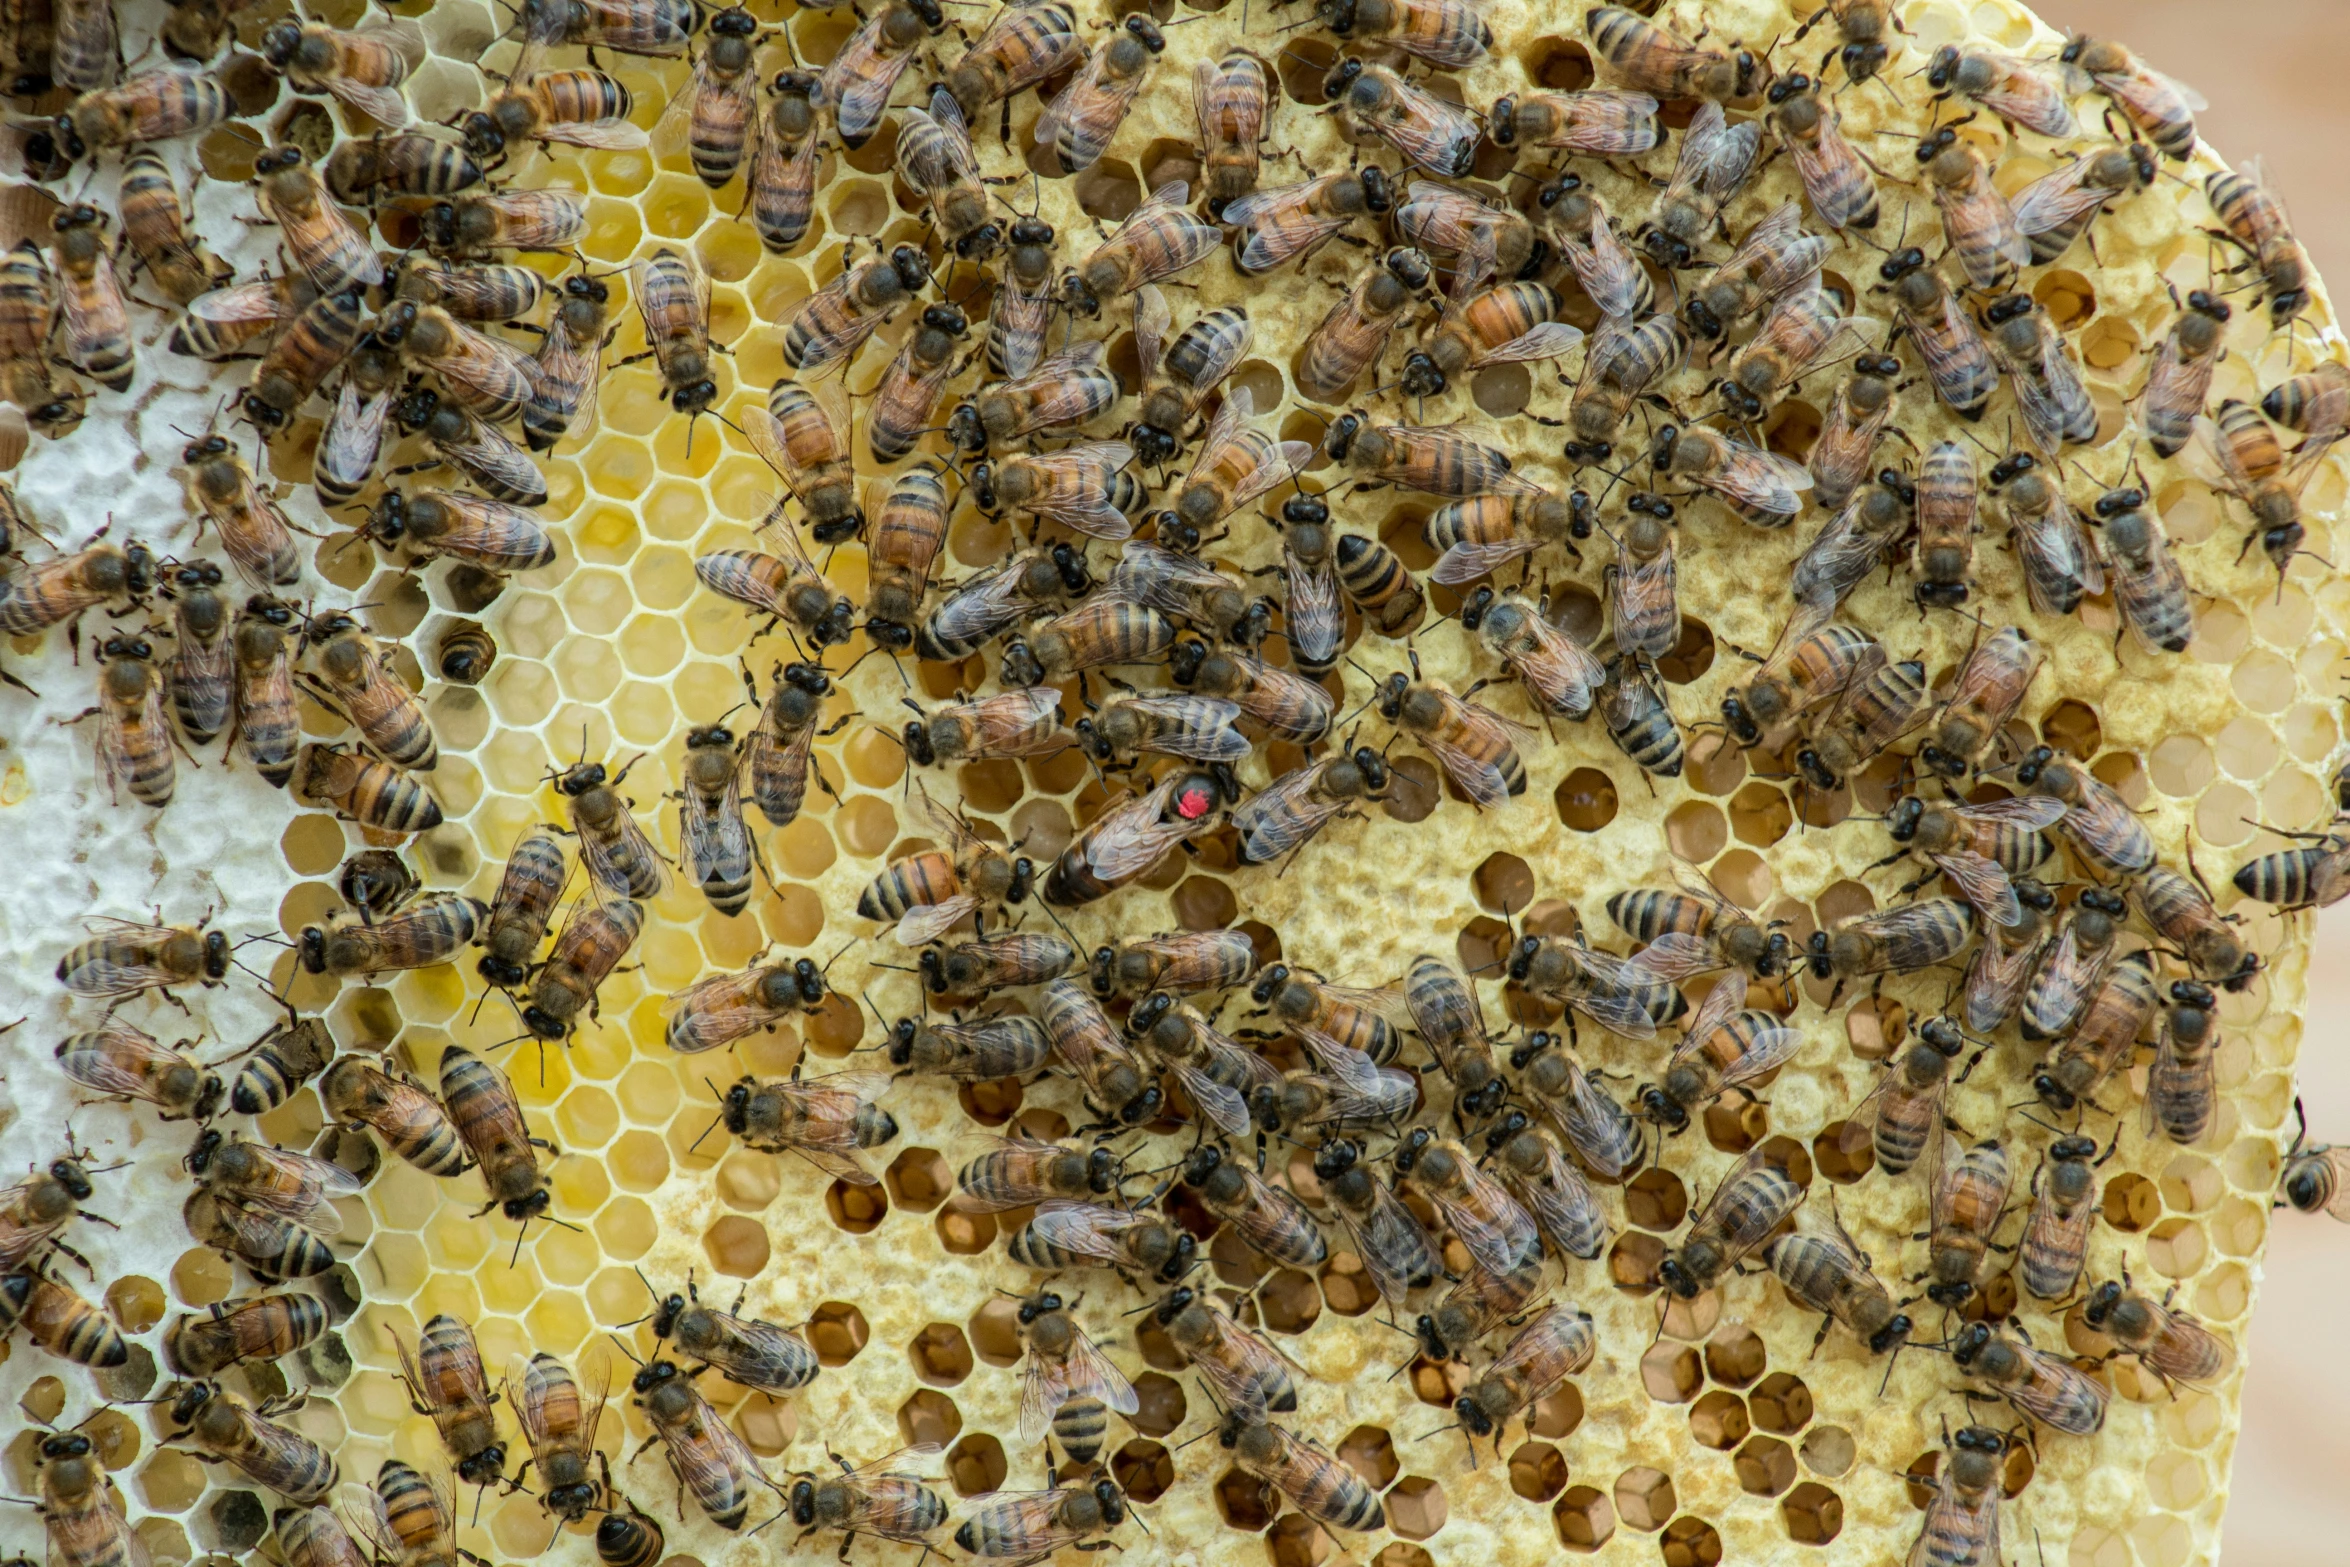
[1193, 803]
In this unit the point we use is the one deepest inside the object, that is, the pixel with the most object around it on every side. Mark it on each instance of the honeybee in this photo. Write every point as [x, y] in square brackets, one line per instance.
[1066, 1234]
[1084, 115]
[1763, 488]
[1020, 722]
[1823, 1270]
[1069, 1386]
[1900, 940]
[1801, 328]
[444, 1380]
[1229, 98]
[593, 941]
[271, 1247]
[1177, 376]
[1062, 392]
[1225, 1081]
[2179, 380]
[1352, 337]
[1089, 1044]
[362, 70]
[715, 110]
[60, 1321]
[1902, 1116]
[1316, 566]
[1273, 1222]
[490, 534]
[260, 1327]
[721, 1008]
[1990, 687]
[612, 846]
[1235, 466]
[1560, 673]
[2003, 965]
[782, 180]
[1483, 238]
[488, 1118]
[2103, 830]
[1968, 1197]
[285, 1058]
[2104, 1036]
[1183, 963]
[129, 958]
[2164, 110]
[222, 321]
[323, 242]
[78, 1513]
[2058, 565]
[1976, 218]
[1596, 122]
[121, 1061]
[408, 163]
[252, 527]
[95, 322]
[1434, 460]
[2021, 92]
[1243, 1372]
[778, 750]
[1799, 675]
[971, 616]
[579, 108]
[1509, 324]
[1610, 274]
[1328, 1015]
[1653, 60]
[644, 27]
[1293, 222]
[908, 394]
[1197, 728]
[991, 963]
[354, 679]
[202, 673]
[2073, 969]
[427, 932]
[135, 743]
[1714, 164]
[1535, 1167]
[2053, 210]
[409, 1120]
[869, 1500]
[1158, 239]
[1957, 360]
[1023, 45]
[246, 1439]
[1775, 257]
[569, 364]
[157, 105]
[786, 587]
[1961, 1527]
[834, 322]
[407, 1520]
[1024, 300]
[1754, 1199]
[1856, 417]
[1694, 930]
[473, 223]
[673, 297]
[36, 595]
[1638, 718]
[479, 450]
[1724, 1048]
[488, 376]
[268, 727]
[907, 536]
[1603, 1135]
[630, 1539]
[352, 441]
[1126, 840]
[1322, 1488]
[1838, 182]
[561, 1427]
[2267, 479]
[823, 1119]
[1083, 487]
[2055, 1241]
[2181, 912]
[2182, 1086]
[2046, 1387]
[1287, 813]
[926, 893]
[1979, 846]
[711, 833]
[1010, 1045]
[372, 793]
[859, 80]
[2315, 402]
[747, 1350]
[1028, 1526]
[1288, 706]
[312, 346]
[2048, 386]
[2315, 875]
[705, 1453]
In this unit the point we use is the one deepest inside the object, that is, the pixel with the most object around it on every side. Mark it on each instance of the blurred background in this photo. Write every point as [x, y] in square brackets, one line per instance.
[2277, 73]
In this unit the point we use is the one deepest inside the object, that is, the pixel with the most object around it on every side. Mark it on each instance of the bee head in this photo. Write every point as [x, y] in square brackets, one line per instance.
[1901, 824]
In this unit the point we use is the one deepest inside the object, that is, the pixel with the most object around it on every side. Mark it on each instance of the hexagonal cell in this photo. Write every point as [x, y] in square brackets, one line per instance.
[1719, 1421]
[929, 1416]
[1735, 1356]
[1633, 1260]
[1416, 1508]
[1781, 1404]
[1346, 1288]
[975, 1464]
[1670, 1372]
[1370, 1452]
[1401, 1554]
[1586, 799]
[1555, 1416]
[1289, 1302]
[995, 1331]
[1243, 1501]
[839, 1332]
[1829, 1450]
[1655, 1199]
[1144, 1470]
[1766, 1466]
[1690, 1541]
[1814, 1514]
[1644, 1498]
[1503, 884]
[1538, 1471]
[857, 1209]
[941, 1355]
[737, 1246]
[1584, 1518]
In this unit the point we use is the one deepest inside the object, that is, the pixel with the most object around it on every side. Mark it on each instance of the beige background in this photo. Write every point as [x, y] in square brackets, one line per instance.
[2277, 73]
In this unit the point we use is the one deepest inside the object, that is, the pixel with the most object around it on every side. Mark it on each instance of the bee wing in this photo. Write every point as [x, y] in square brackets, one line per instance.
[1023, 317]
[1071, 381]
[489, 455]
[1152, 318]
[1781, 227]
[1431, 132]
[1714, 157]
[980, 609]
[947, 115]
[1982, 883]
[1439, 448]
[1948, 350]
[1090, 514]
[1223, 1105]
[1497, 1244]
[381, 104]
[1031, 1518]
[2027, 95]
[715, 836]
[1764, 480]
[1467, 562]
[1721, 1004]
[1284, 814]
[2032, 812]
[920, 926]
[86, 327]
[859, 80]
[2145, 89]
[104, 1069]
[1995, 981]
[321, 1178]
[1268, 248]
[1385, 1095]
[1132, 842]
[1198, 728]
[1562, 1202]
[603, 858]
[238, 305]
[1389, 1230]
[1610, 997]
[2054, 200]
[1088, 1229]
[1546, 341]
[1675, 955]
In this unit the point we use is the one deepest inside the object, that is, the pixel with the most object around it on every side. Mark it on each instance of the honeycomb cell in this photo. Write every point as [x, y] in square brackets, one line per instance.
[975, 1464]
[1243, 1501]
[941, 1355]
[928, 1416]
[736, 1246]
[1144, 1469]
[1370, 1452]
[1814, 1514]
[1782, 1404]
[856, 1209]
[1718, 1420]
[838, 1331]
[1416, 1507]
[1346, 1288]
[1632, 1262]
[1655, 1199]
[1290, 1301]
[1586, 800]
[1670, 1372]
[1585, 1519]
[1765, 1466]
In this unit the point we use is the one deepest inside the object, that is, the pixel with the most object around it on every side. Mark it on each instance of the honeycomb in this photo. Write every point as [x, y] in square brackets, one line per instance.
[1707, 1432]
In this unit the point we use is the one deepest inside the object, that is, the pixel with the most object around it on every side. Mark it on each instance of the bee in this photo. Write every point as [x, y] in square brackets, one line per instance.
[1823, 1270]
[444, 1380]
[2073, 969]
[1341, 1015]
[992, 963]
[1088, 1043]
[2164, 110]
[861, 77]
[252, 527]
[1222, 1079]
[1396, 1252]
[1159, 239]
[1763, 488]
[312, 346]
[473, 223]
[1610, 274]
[95, 322]
[1556, 1345]
[1288, 706]
[1724, 1048]
[60, 1321]
[1535, 1167]
[1373, 101]
[486, 376]
[407, 1520]
[202, 673]
[1864, 26]
[285, 1058]
[1754, 1199]
[1061, 393]
[492, 535]
[374, 794]
[2003, 965]
[1979, 846]
[1229, 97]
[1021, 722]
[782, 180]
[1834, 177]
[323, 242]
[2104, 1035]
[1968, 1198]
[1185, 963]
[1638, 718]
[1066, 1234]
[1024, 44]
[630, 1539]
[1563, 675]
[2101, 829]
[1695, 929]
[33, 1211]
[972, 615]
[1990, 687]
[778, 750]
[578, 108]
[1084, 115]
[705, 1453]
[2261, 474]
[716, 108]
[2055, 1241]
[1292, 222]
[411, 1123]
[569, 365]
[1274, 1224]
[747, 1350]
[673, 296]
[362, 70]
[1197, 728]
[268, 727]
[711, 832]
[1373, 578]
[260, 1327]
[1798, 676]
[2182, 1087]
[1476, 1306]
[721, 1008]
[591, 945]
[427, 932]
[926, 893]
[907, 397]
[1126, 840]
[611, 844]
[475, 291]
[2171, 1344]
[869, 1500]
[644, 27]
[130, 958]
[822, 1119]
[85, 1528]
[1857, 414]
[85, 46]
[1603, 1135]
[1596, 123]
[1798, 331]
[1353, 336]
[352, 441]
[787, 587]
[1348, 1094]
[124, 1062]
[246, 1439]
[1025, 297]
[1028, 1526]
[2053, 210]
[2315, 402]
[1237, 1366]
[1976, 218]
[135, 744]
[2019, 91]
[2179, 380]
[158, 105]
[355, 680]
[1012, 1045]
[1430, 459]
[1957, 360]
[1069, 1386]
[1287, 813]
[1715, 162]
[407, 163]
[1652, 59]
[2181, 912]
[1899, 940]
[2312, 1181]
[2315, 875]
[834, 322]
[1512, 323]
[36, 595]
[1481, 237]
[1322, 1488]
[2058, 566]
[906, 538]
[561, 1427]
[1961, 1527]
[2048, 386]
[1902, 1116]
[1101, 630]
[488, 1118]
[1775, 258]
